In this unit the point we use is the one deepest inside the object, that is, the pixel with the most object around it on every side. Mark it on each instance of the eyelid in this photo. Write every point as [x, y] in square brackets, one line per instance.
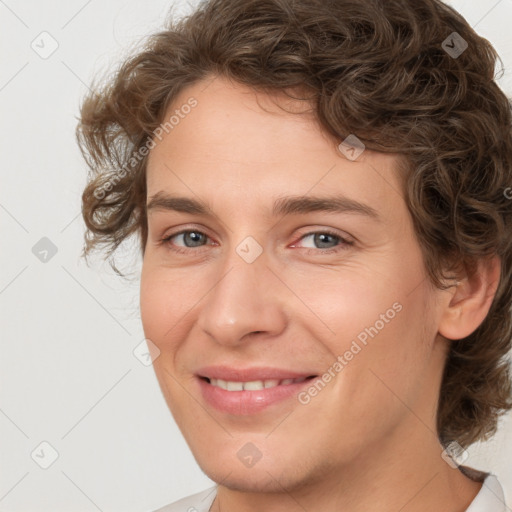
[185, 229]
[344, 241]
[344, 238]
[166, 238]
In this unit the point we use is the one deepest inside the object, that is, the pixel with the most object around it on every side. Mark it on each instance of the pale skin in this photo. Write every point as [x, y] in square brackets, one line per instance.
[366, 441]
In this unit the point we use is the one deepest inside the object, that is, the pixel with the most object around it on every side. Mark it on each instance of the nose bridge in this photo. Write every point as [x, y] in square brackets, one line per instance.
[239, 301]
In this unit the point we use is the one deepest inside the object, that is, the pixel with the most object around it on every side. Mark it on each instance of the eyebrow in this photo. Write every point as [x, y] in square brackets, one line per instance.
[290, 205]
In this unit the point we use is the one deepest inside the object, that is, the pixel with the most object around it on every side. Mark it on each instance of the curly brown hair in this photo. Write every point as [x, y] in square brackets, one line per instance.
[380, 70]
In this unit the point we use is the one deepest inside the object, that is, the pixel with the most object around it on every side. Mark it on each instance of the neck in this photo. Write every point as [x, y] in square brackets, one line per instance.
[407, 474]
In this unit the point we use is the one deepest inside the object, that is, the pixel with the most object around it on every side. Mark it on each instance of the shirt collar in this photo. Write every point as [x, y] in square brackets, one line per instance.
[490, 498]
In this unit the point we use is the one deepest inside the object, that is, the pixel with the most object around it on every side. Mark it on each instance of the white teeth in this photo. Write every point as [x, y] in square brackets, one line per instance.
[235, 386]
[221, 384]
[253, 385]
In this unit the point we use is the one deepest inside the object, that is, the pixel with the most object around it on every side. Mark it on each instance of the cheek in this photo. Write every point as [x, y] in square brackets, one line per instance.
[375, 316]
[165, 301]
[164, 304]
[153, 306]
[341, 304]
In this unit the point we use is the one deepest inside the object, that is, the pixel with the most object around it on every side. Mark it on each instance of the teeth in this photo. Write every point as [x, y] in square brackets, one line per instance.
[221, 384]
[253, 385]
[235, 386]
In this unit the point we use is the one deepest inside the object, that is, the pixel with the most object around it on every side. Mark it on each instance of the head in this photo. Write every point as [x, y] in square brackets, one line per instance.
[218, 145]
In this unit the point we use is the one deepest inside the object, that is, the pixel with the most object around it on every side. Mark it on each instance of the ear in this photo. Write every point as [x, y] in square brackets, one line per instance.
[471, 299]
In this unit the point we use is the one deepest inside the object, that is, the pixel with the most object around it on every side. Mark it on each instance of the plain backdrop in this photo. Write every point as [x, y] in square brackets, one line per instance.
[74, 398]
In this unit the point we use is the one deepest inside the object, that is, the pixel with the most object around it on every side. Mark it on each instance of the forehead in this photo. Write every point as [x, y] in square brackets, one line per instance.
[236, 143]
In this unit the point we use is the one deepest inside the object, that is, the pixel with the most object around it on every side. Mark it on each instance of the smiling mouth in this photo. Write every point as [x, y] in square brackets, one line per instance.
[253, 385]
[240, 392]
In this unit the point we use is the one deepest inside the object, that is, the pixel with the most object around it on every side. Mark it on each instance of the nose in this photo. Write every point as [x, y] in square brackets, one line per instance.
[246, 298]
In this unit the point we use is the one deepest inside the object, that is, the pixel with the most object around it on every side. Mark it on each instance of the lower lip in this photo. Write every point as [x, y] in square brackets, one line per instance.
[243, 403]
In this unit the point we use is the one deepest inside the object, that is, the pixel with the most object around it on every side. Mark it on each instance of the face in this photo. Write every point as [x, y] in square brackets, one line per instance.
[285, 290]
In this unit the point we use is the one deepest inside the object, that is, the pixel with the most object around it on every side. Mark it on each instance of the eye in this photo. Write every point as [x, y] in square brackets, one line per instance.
[185, 241]
[189, 238]
[324, 241]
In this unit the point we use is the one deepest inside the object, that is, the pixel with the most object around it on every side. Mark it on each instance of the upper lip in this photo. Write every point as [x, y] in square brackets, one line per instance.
[249, 374]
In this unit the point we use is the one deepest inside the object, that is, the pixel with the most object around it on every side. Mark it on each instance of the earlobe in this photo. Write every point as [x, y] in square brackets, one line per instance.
[471, 299]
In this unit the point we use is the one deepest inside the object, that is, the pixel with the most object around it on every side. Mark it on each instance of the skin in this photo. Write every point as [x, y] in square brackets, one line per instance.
[369, 436]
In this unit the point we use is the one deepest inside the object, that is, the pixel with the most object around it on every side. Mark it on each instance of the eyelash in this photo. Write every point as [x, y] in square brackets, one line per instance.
[344, 242]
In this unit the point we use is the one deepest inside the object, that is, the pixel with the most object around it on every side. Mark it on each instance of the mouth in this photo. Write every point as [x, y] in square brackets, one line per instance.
[244, 392]
[253, 385]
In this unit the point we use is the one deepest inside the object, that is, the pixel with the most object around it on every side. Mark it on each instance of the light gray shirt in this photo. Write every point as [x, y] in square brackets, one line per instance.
[490, 499]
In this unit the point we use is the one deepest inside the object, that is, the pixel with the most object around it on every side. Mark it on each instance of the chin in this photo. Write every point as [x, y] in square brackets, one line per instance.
[246, 480]
[266, 476]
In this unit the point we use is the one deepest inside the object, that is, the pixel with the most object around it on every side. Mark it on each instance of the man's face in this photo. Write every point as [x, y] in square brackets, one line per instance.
[335, 299]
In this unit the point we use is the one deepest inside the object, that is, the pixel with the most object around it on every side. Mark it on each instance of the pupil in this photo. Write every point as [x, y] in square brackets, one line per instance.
[323, 238]
[192, 235]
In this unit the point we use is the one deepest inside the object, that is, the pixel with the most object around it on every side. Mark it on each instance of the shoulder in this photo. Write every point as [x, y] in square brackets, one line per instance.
[491, 497]
[200, 502]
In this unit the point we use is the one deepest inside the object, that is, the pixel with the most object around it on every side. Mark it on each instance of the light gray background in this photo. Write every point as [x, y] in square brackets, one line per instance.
[68, 373]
